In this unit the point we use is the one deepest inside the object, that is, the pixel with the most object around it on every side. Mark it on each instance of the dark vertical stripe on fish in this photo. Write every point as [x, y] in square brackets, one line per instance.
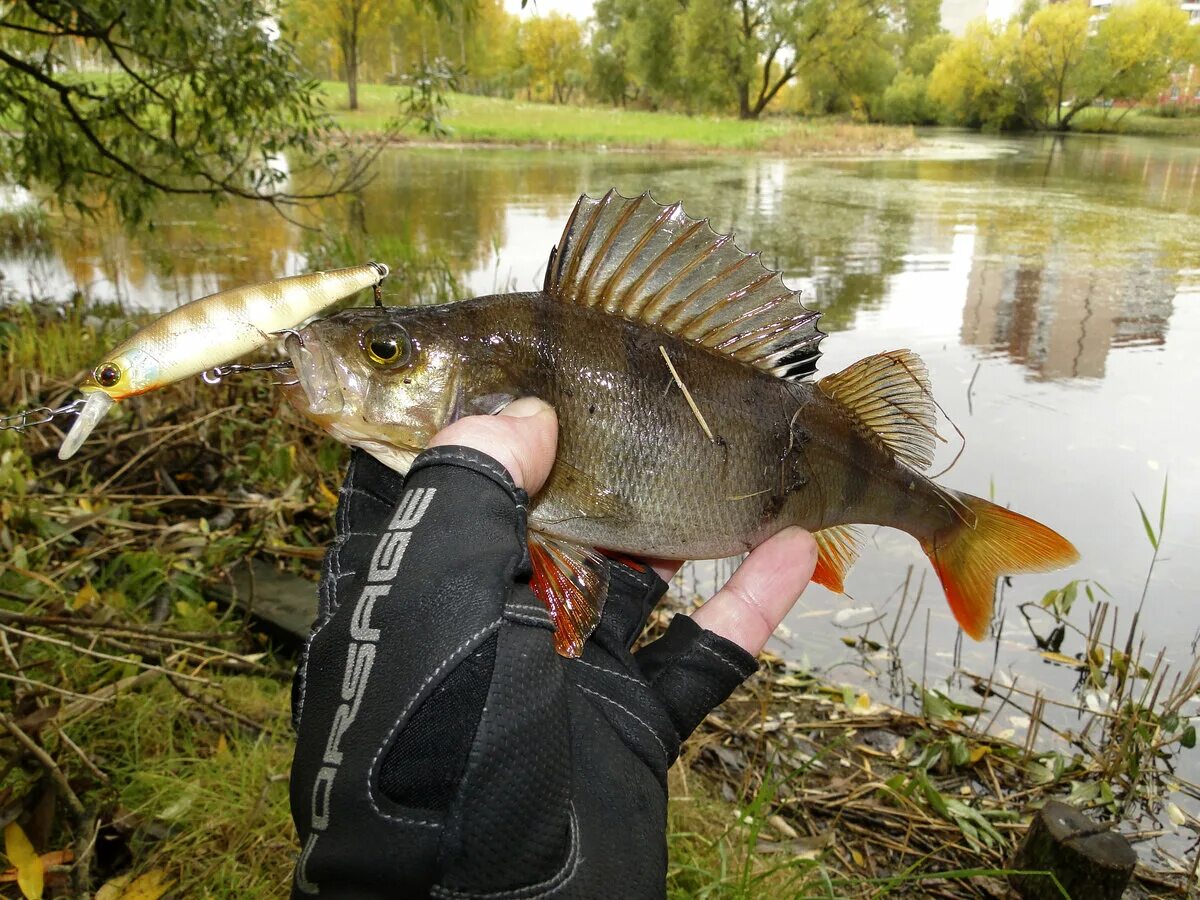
[854, 483]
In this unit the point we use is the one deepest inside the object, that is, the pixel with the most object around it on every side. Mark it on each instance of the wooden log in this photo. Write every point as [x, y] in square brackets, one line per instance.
[1090, 861]
[288, 602]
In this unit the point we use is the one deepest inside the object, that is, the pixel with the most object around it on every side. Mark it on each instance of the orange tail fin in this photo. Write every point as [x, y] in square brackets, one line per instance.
[968, 560]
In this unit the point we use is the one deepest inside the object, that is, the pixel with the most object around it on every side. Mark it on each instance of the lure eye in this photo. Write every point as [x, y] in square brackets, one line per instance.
[107, 375]
[387, 345]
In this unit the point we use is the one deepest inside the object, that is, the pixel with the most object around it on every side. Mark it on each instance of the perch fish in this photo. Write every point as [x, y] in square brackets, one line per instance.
[208, 332]
[689, 424]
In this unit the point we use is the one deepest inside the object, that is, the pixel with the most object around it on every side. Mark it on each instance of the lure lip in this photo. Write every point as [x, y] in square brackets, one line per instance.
[95, 407]
[313, 366]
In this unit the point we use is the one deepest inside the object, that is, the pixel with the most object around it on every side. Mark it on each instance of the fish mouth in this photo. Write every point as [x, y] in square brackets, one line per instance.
[317, 375]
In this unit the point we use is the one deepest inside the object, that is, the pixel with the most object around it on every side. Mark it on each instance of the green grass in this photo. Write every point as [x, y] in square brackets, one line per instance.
[1136, 121]
[494, 120]
[209, 799]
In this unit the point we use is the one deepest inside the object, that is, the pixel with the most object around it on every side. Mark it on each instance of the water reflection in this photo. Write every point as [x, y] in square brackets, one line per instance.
[1059, 319]
[186, 249]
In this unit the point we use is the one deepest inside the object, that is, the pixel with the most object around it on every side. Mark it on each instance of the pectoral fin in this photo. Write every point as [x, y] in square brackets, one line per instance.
[572, 581]
[583, 495]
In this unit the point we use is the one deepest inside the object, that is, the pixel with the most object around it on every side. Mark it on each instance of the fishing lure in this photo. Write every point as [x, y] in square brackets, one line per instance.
[206, 333]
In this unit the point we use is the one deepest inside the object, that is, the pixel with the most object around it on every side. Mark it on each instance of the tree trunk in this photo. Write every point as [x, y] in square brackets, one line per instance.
[352, 58]
[1088, 859]
[743, 94]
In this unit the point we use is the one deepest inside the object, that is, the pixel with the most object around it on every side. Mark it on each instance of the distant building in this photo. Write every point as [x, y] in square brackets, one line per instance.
[1101, 7]
[1185, 86]
[958, 14]
[1184, 89]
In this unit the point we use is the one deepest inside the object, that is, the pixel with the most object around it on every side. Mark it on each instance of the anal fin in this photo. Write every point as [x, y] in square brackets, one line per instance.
[837, 550]
[572, 582]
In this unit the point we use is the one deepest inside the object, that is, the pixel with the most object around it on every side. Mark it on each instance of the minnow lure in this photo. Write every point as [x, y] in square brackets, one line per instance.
[206, 333]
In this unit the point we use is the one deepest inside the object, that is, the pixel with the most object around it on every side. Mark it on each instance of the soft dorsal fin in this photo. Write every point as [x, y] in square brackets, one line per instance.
[889, 394]
[633, 257]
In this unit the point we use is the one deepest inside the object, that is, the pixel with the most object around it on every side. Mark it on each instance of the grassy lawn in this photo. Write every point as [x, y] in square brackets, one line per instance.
[493, 120]
[1137, 121]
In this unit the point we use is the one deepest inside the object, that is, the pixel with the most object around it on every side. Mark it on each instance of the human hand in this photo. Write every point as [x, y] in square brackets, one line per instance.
[443, 746]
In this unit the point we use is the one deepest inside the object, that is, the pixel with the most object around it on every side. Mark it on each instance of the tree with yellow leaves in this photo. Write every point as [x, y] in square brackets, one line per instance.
[1043, 72]
[552, 47]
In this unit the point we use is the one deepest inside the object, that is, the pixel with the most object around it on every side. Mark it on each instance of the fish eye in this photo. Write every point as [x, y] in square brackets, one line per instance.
[107, 374]
[386, 345]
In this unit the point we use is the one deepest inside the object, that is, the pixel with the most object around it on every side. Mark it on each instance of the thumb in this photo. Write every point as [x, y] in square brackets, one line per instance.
[521, 437]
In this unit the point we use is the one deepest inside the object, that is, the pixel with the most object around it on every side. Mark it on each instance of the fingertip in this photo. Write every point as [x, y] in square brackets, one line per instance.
[525, 407]
[801, 547]
[537, 431]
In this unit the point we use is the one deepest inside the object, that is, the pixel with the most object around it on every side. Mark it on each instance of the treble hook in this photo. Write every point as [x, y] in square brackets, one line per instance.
[216, 375]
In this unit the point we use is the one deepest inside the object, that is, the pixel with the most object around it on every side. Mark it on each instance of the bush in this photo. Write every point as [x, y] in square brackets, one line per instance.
[906, 101]
[1175, 110]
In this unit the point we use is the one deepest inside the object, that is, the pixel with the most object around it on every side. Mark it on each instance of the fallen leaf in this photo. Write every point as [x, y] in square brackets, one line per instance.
[149, 886]
[84, 596]
[113, 888]
[1175, 814]
[780, 824]
[182, 803]
[327, 493]
[20, 852]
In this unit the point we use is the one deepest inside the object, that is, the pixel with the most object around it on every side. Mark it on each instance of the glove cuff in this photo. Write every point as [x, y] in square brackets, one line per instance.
[473, 460]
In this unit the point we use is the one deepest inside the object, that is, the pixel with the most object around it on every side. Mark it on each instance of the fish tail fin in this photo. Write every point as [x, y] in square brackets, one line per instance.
[993, 541]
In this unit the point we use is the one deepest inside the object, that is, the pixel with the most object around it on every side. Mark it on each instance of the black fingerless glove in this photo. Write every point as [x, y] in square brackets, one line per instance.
[444, 749]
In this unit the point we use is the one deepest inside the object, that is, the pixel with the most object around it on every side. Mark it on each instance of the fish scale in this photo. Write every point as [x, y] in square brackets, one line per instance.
[677, 366]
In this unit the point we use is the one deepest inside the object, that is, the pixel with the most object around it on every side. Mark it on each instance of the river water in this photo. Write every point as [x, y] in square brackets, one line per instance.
[1052, 286]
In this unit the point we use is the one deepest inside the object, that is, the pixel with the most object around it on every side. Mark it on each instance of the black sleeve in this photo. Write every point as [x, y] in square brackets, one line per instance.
[443, 747]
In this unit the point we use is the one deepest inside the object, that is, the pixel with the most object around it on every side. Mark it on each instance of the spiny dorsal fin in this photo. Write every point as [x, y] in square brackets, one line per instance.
[837, 549]
[889, 394]
[650, 263]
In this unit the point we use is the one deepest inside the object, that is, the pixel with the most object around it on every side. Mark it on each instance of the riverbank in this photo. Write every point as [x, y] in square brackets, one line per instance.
[492, 120]
[473, 119]
[161, 709]
[1141, 122]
